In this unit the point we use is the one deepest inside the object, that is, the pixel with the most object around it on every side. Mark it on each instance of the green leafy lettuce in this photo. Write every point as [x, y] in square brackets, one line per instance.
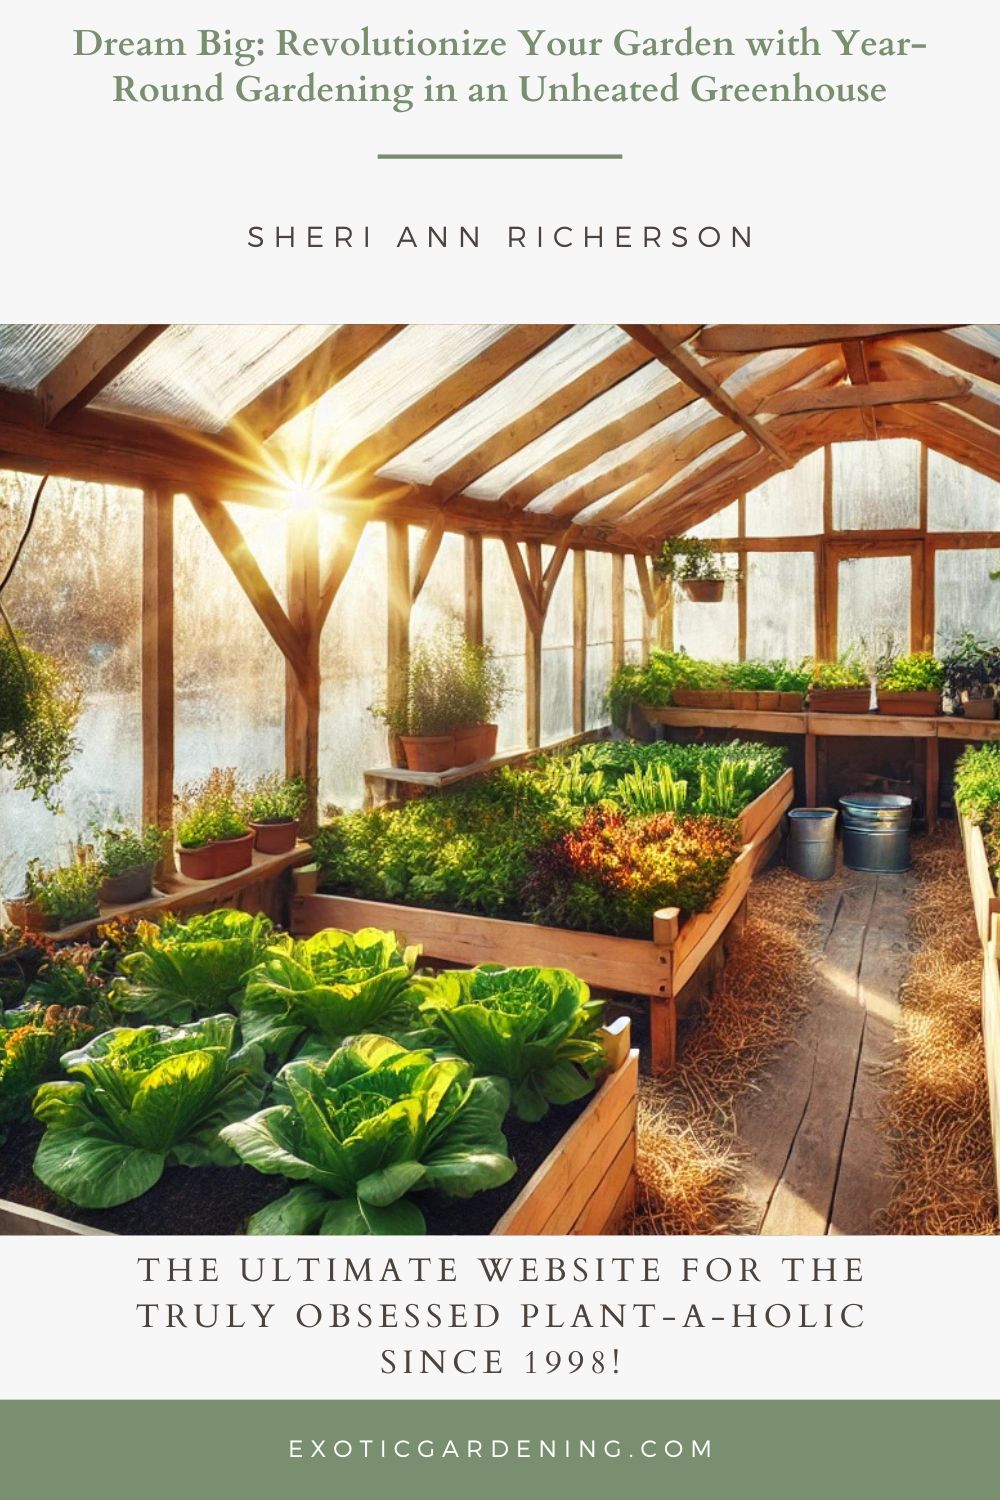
[534, 1027]
[182, 969]
[366, 1128]
[139, 1099]
[329, 987]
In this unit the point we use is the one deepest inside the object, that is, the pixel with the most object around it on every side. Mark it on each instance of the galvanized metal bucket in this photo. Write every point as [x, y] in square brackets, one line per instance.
[812, 846]
[877, 831]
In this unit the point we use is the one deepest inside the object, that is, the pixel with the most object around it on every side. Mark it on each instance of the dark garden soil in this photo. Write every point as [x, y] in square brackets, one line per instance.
[219, 1200]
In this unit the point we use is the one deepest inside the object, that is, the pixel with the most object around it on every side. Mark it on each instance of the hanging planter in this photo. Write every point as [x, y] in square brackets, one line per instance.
[704, 590]
[697, 567]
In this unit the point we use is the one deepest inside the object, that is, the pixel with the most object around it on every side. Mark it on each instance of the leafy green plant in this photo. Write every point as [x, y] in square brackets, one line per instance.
[328, 987]
[918, 672]
[753, 676]
[211, 809]
[971, 669]
[122, 849]
[186, 968]
[452, 683]
[789, 678]
[31, 1042]
[273, 798]
[652, 789]
[39, 710]
[647, 778]
[846, 672]
[65, 893]
[689, 558]
[656, 682]
[366, 1128]
[977, 781]
[534, 1027]
[137, 1100]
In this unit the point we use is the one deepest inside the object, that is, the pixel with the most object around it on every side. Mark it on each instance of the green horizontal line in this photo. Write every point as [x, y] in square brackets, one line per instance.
[500, 156]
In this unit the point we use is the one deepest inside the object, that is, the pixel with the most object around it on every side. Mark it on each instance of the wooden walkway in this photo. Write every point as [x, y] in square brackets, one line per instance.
[818, 1160]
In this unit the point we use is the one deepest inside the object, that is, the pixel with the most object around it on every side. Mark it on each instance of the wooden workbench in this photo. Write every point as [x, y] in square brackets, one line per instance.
[931, 729]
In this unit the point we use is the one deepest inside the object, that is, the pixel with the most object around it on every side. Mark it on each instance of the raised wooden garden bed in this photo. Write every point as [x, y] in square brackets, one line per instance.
[659, 967]
[586, 1184]
[986, 905]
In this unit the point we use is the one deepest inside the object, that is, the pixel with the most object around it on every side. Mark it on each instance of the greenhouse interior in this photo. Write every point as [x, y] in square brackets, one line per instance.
[499, 779]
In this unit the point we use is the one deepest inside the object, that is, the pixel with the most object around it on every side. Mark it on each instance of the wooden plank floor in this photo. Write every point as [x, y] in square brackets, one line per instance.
[817, 1157]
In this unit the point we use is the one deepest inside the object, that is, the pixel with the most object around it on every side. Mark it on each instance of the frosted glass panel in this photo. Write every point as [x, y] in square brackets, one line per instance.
[557, 656]
[790, 504]
[959, 498]
[230, 703]
[441, 602]
[876, 486]
[29, 351]
[504, 630]
[708, 630]
[966, 598]
[635, 614]
[781, 605]
[873, 602]
[598, 636]
[76, 593]
[353, 670]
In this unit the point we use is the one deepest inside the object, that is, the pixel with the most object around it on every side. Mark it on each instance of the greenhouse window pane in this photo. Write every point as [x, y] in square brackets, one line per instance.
[77, 593]
[876, 486]
[873, 602]
[790, 504]
[965, 596]
[557, 656]
[635, 614]
[203, 374]
[440, 603]
[598, 637]
[30, 351]
[230, 675]
[721, 523]
[781, 602]
[504, 630]
[959, 498]
[710, 631]
[352, 660]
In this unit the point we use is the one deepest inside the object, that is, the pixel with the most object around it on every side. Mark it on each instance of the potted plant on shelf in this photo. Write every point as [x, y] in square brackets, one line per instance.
[57, 897]
[697, 566]
[274, 807]
[213, 836]
[971, 675]
[753, 685]
[454, 691]
[700, 684]
[792, 684]
[839, 687]
[127, 858]
[911, 685]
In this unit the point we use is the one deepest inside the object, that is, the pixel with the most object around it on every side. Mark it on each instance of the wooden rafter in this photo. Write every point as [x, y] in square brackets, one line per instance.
[968, 358]
[864, 397]
[856, 361]
[757, 338]
[91, 365]
[310, 379]
[687, 368]
[430, 546]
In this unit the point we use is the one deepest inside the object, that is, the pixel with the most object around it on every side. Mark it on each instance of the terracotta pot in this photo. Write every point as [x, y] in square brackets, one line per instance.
[131, 885]
[978, 708]
[199, 863]
[703, 698]
[476, 743]
[791, 703]
[915, 702]
[428, 752]
[276, 836]
[26, 914]
[744, 698]
[704, 590]
[768, 701]
[232, 855]
[839, 700]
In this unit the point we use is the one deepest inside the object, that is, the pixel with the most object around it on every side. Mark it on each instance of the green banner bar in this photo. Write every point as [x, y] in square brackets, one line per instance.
[700, 1450]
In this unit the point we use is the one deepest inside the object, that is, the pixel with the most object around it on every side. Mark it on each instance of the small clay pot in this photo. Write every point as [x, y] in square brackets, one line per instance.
[916, 702]
[704, 590]
[275, 836]
[128, 887]
[744, 698]
[791, 703]
[26, 914]
[978, 708]
[769, 701]
[232, 855]
[197, 863]
[839, 700]
[429, 752]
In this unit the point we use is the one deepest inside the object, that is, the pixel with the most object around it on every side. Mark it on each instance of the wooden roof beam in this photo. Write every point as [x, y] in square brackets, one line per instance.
[952, 351]
[90, 365]
[309, 380]
[865, 397]
[856, 362]
[694, 375]
[757, 338]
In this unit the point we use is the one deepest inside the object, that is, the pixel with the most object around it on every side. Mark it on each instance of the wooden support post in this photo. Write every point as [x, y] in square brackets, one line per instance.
[302, 678]
[932, 779]
[617, 610]
[665, 617]
[579, 642]
[811, 771]
[158, 663]
[474, 589]
[533, 652]
[741, 582]
[397, 620]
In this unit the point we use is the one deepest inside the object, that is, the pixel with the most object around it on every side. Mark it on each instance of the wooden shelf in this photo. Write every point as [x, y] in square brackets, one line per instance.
[381, 778]
[177, 893]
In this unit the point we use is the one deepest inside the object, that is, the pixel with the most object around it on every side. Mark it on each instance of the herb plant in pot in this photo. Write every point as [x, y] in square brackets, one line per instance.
[697, 566]
[792, 684]
[911, 685]
[274, 807]
[971, 676]
[454, 691]
[839, 687]
[127, 858]
[700, 684]
[212, 833]
[59, 896]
